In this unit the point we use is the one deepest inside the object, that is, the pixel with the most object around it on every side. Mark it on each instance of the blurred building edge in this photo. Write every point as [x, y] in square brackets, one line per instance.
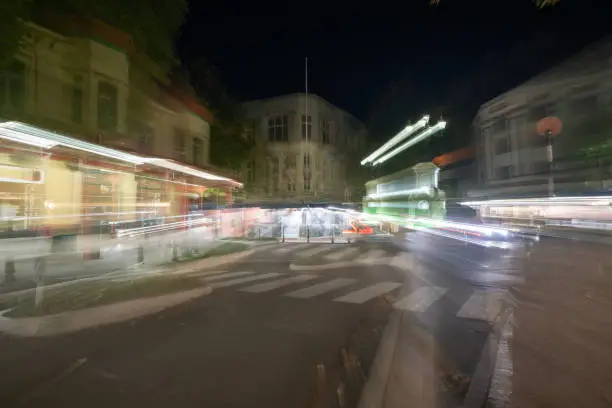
[305, 149]
[511, 156]
[457, 171]
[86, 80]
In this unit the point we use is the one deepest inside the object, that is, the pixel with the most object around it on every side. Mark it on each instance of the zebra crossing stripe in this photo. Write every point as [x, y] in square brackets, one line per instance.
[420, 299]
[346, 252]
[367, 293]
[315, 251]
[321, 288]
[225, 275]
[247, 279]
[266, 286]
[483, 305]
[290, 248]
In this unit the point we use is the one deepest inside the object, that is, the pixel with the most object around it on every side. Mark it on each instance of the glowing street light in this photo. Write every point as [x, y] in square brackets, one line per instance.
[418, 138]
[407, 131]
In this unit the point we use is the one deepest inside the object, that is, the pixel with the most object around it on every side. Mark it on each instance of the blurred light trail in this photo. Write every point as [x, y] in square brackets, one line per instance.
[133, 232]
[33, 136]
[418, 138]
[403, 134]
[571, 200]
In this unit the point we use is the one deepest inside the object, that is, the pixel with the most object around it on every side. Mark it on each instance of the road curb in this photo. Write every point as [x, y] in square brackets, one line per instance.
[373, 394]
[77, 320]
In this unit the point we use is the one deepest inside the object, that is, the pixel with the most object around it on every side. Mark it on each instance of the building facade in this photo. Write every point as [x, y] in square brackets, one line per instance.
[305, 150]
[511, 155]
[86, 83]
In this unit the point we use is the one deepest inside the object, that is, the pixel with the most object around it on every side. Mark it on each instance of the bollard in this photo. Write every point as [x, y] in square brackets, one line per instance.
[40, 266]
[307, 233]
[175, 255]
[283, 233]
[140, 254]
[9, 270]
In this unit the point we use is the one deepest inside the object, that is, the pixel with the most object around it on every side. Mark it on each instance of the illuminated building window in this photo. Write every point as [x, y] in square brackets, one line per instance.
[278, 129]
[107, 106]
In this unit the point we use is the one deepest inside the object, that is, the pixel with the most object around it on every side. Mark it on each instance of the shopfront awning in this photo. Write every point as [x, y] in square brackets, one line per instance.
[33, 136]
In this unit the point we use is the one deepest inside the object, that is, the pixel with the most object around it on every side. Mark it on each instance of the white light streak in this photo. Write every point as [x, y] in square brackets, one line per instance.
[418, 138]
[403, 134]
[423, 189]
[172, 165]
[46, 139]
[577, 200]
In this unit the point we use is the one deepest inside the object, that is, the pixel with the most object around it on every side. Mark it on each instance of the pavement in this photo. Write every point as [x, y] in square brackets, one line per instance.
[115, 255]
[270, 335]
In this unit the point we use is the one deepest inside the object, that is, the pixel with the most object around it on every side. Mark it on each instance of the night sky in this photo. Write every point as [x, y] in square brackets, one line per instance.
[387, 70]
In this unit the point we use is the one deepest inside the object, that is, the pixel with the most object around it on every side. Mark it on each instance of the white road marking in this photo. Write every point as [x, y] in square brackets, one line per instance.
[290, 248]
[321, 288]
[483, 305]
[245, 280]
[346, 252]
[314, 251]
[369, 292]
[420, 299]
[266, 286]
[225, 275]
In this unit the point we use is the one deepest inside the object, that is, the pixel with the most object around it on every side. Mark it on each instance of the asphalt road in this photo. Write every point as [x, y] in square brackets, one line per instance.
[270, 321]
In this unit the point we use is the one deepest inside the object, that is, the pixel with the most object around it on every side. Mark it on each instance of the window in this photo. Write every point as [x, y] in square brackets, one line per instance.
[502, 145]
[307, 182]
[306, 161]
[178, 144]
[76, 100]
[145, 139]
[499, 126]
[325, 131]
[278, 131]
[249, 132]
[12, 86]
[107, 106]
[250, 171]
[274, 173]
[306, 128]
[503, 172]
[198, 151]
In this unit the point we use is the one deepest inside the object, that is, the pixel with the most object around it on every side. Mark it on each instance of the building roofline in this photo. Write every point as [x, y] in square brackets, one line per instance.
[298, 94]
[541, 79]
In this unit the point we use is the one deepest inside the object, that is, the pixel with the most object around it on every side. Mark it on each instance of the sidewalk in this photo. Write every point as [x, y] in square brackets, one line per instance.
[122, 255]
